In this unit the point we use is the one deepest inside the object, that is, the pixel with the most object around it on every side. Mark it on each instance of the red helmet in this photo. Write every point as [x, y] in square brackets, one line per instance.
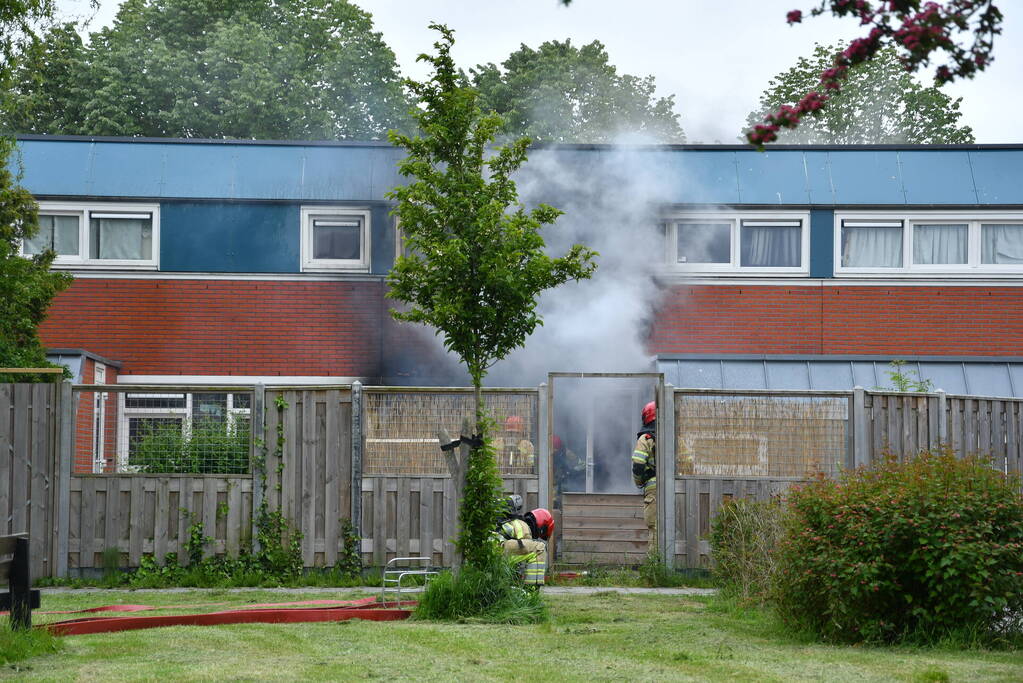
[514, 424]
[649, 412]
[544, 522]
[556, 442]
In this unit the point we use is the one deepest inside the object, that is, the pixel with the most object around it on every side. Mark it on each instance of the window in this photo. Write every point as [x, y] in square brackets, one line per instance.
[97, 235]
[927, 243]
[739, 243]
[335, 238]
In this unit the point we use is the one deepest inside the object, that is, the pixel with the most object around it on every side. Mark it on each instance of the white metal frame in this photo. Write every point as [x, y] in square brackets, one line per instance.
[310, 264]
[972, 219]
[83, 212]
[735, 220]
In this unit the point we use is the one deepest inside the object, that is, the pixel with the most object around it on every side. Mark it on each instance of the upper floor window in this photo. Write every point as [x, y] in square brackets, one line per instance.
[739, 243]
[335, 238]
[923, 243]
[98, 235]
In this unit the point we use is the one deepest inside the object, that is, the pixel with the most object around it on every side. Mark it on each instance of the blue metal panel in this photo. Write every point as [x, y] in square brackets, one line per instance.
[864, 375]
[705, 178]
[822, 243]
[937, 177]
[946, 376]
[699, 374]
[866, 177]
[772, 177]
[1016, 377]
[743, 374]
[988, 379]
[996, 174]
[818, 177]
[199, 171]
[57, 169]
[788, 375]
[229, 237]
[831, 376]
[382, 242]
[326, 174]
[134, 170]
[268, 172]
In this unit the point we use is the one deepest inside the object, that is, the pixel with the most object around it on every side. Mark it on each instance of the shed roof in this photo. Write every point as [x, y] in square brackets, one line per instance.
[856, 175]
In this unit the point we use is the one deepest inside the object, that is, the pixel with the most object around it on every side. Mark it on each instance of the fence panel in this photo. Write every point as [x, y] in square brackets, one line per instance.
[418, 516]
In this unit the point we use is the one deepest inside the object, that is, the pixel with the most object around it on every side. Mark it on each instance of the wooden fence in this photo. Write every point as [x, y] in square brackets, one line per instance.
[311, 467]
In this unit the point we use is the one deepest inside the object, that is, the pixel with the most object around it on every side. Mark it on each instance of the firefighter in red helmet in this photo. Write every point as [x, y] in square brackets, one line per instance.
[515, 452]
[644, 471]
[524, 541]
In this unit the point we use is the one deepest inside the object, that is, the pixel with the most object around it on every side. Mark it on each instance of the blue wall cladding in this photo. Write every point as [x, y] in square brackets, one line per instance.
[223, 237]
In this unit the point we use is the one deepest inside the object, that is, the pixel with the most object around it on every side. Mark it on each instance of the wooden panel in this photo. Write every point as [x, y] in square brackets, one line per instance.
[331, 479]
[19, 460]
[602, 528]
[6, 455]
[160, 532]
[307, 513]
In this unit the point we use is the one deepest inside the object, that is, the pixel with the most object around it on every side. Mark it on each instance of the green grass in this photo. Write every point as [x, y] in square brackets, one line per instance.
[605, 636]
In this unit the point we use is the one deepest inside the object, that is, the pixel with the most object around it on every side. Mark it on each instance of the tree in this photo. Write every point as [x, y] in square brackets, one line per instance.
[880, 102]
[917, 30]
[26, 284]
[563, 93]
[293, 69]
[476, 261]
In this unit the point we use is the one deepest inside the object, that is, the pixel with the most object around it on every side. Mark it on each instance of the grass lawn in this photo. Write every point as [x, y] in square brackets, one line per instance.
[605, 636]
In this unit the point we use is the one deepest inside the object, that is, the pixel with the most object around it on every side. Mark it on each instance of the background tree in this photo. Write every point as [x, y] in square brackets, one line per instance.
[292, 69]
[476, 261]
[880, 102]
[563, 93]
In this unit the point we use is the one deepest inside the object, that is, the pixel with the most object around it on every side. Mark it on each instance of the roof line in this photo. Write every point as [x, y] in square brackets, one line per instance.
[836, 358]
[537, 146]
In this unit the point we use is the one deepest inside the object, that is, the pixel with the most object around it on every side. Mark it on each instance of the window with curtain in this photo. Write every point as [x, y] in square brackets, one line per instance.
[337, 238]
[872, 244]
[1001, 243]
[770, 244]
[709, 242]
[940, 244]
[120, 236]
[59, 233]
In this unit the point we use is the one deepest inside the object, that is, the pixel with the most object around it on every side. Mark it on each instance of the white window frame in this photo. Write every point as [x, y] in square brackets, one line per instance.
[184, 414]
[972, 219]
[735, 220]
[310, 264]
[83, 211]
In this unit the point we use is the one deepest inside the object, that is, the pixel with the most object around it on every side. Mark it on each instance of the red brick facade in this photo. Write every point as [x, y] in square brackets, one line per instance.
[841, 319]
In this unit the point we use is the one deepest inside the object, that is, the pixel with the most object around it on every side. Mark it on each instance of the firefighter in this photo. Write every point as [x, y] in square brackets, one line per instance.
[523, 541]
[569, 469]
[644, 471]
[515, 451]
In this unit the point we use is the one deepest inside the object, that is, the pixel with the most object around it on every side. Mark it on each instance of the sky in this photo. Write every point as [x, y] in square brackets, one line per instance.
[715, 56]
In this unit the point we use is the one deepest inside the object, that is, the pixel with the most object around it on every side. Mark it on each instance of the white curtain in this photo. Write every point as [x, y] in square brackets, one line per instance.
[771, 247]
[871, 247]
[1001, 243]
[939, 244]
[59, 233]
[121, 238]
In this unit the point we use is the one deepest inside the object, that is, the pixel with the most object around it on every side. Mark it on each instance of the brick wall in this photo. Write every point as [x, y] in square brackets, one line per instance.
[223, 327]
[835, 319]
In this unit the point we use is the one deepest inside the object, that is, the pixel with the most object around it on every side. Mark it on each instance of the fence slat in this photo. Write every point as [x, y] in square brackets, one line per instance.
[19, 461]
[135, 521]
[234, 519]
[449, 520]
[307, 492]
[41, 459]
[984, 426]
[162, 518]
[379, 523]
[332, 481]
[426, 518]
[403, 501]
[6, 456]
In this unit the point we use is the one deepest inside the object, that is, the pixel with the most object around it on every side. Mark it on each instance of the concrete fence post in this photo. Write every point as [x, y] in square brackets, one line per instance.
[666, 468]
[942, 416]
[258, 430]
[861, 449]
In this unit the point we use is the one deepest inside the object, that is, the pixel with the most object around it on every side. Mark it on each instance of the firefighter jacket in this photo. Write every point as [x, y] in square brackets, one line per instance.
[515, 529]
[644, 461]
[515, 453]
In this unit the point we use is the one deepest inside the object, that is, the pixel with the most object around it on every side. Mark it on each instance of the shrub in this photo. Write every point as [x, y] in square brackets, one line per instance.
[491, 593]
[744, 536]
[921, 551]
[209, 447]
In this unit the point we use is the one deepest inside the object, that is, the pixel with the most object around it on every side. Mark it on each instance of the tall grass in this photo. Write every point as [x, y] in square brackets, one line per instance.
[16, 645]
[744, 537]
[491, 594]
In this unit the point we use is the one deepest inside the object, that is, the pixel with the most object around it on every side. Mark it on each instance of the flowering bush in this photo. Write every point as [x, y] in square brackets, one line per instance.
[913, 551]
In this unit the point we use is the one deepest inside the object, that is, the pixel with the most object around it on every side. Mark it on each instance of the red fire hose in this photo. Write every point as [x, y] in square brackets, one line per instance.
[272, 613]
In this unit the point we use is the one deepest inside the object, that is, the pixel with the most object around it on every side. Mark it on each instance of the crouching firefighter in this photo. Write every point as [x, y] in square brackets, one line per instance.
[524, 541]
[644, 471]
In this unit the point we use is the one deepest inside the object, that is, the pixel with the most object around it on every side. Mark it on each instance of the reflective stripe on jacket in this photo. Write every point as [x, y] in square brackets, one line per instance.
[516, 529]
[644, 463]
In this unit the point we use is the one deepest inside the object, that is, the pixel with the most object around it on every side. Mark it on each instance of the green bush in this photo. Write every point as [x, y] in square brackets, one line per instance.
[210, 447]
[924, 551]
[491, 593]
[744, 536]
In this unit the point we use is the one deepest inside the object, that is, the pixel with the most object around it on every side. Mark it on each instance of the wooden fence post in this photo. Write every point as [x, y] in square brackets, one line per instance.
[543, 451]
[62, 473]
[21, 585]
[666, 468]
[357, 433]
[861, 449]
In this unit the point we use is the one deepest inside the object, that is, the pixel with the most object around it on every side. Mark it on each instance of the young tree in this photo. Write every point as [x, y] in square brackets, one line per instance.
[26, 284]
[476, 261]
[293, 69]
[880, 102]
[917, 30]
[563, 93]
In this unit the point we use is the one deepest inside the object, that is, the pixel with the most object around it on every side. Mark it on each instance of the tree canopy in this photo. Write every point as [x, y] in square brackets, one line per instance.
[288, 69]
[563, 93]
[880, 103]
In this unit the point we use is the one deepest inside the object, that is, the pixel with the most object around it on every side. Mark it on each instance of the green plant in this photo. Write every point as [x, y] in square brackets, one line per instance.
[905, 380]
[209, 447]
[19, 644]
[482, 504]
[924, 551]
[743, 537]
[195, 545]
[349, 561]
[490, 593]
